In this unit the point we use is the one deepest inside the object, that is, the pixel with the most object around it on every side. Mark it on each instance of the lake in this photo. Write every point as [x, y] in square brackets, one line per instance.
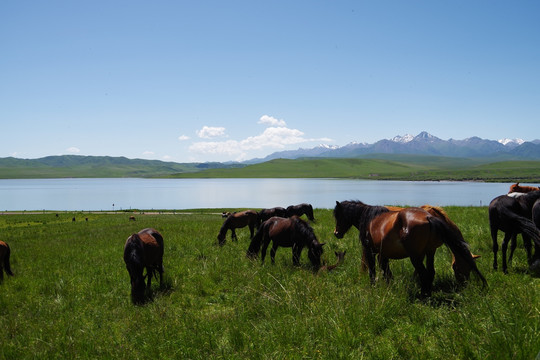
[122, 194]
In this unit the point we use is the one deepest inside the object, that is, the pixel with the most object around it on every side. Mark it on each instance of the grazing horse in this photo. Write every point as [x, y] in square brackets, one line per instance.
[513, 216]
[143, 250]
[5, 252]
[516, 188]
[132, 218]
[266, 214]
[238, 220]
[410, 232]
[300, 210]
[290, 232]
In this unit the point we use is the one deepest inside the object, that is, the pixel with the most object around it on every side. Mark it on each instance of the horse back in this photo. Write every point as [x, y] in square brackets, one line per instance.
[152, 243]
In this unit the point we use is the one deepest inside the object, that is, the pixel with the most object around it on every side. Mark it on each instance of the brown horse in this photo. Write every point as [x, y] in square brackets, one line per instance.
[143, 250]
[238, 220]
[5, 253]
[290, 232]
[516, 188]
[410, 232]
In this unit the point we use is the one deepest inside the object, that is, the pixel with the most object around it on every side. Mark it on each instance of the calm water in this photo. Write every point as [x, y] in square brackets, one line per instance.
[118, 194]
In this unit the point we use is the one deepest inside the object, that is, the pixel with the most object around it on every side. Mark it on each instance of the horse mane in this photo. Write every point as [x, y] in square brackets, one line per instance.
[225, 225]
[303, 228]
[361, 214]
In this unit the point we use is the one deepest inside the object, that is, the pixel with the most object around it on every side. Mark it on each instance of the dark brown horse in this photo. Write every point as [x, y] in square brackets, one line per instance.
[143, 250]
[5, 253]
[238, 220]
[410, 232]
[300, 210]
[513, 216]
[516, 188]
[290, 232]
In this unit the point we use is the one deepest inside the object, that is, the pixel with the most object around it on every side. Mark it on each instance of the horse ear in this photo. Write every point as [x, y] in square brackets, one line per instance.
[476, 256]
[322, 244]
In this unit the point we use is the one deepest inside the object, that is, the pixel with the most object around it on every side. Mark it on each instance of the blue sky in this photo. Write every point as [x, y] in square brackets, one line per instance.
[191, 81]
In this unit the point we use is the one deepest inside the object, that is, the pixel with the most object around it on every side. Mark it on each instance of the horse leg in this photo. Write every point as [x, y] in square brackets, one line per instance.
[495, 246]
[297, 250]
[423, 275]
[251, 230]
[149, 274]
[233, 235]
[430, 268]
[513, 244]
[507, 237]
[528, 247]
[264, 247]
[370, 257]
[273, 253]
[384, 264]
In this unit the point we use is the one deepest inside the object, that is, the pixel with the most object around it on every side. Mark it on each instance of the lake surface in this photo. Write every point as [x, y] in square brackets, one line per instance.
[121, 194]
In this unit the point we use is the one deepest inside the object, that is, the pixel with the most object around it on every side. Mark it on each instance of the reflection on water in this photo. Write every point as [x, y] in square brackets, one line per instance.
[117, 194]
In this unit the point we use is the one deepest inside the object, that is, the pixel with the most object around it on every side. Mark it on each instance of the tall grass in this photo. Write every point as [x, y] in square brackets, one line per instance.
[70, 297]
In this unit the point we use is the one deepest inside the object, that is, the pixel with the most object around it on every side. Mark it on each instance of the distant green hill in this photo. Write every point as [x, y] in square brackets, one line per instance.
[94, 167]
[377, 167]
[410, 167]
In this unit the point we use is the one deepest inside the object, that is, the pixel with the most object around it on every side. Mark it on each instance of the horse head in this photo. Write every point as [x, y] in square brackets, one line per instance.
[343, 222]
[315, 253]
[462, 268]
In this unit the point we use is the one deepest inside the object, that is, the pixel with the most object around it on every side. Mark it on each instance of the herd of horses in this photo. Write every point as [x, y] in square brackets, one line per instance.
[385, 232]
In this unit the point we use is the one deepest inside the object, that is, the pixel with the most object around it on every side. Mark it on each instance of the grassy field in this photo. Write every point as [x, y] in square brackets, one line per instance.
[70, 297]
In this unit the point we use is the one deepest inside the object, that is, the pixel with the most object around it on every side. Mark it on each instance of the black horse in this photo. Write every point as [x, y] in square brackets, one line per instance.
[266, 214]
[143, 250]
[513, 216]
[290, 232]
[300, 210]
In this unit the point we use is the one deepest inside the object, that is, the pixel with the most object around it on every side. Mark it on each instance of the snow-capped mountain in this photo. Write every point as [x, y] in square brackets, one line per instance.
[421, 144]
[403, 139]
[511, 142]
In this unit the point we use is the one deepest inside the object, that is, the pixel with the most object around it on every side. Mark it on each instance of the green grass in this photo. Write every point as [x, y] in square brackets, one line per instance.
[70, 297]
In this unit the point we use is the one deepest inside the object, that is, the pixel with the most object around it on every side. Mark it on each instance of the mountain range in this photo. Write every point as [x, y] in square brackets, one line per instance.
[421, 144]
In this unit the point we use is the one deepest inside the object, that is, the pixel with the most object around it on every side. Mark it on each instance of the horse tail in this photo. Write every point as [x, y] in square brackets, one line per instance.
[256, 241]
[6, 261]
[453, 238]
[526, 226]
[310, 213]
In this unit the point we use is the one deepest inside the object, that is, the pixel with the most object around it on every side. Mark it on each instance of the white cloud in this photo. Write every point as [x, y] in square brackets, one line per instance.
[277, 137]
[167, 157]
[272, 138]
[73, 150]
[272, 121]
[183, 137]
[148, 153]
[208, 132]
